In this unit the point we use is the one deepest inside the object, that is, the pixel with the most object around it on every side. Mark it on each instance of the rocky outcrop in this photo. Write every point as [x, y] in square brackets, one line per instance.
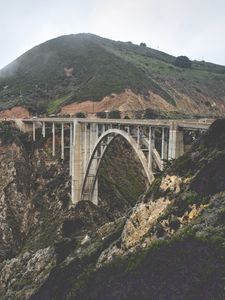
[39, 229]
[142, 220]
[21, 276]
[15, 201]
[170, 244]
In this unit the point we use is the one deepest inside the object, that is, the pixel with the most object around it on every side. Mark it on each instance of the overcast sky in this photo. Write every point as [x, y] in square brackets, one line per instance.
[195, 28]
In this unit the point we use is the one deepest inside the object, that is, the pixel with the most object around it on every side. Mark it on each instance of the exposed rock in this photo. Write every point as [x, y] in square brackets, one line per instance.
[85, 240]
[15, 112]
[136, 227]
[21, 276]
[171, 183]
[141, 220]
[171, 241]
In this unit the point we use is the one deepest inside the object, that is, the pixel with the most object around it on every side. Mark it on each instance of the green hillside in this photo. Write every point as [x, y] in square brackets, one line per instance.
[87, 67]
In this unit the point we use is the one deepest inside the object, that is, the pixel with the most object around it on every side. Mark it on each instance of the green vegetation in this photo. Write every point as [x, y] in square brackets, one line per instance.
[54, 105]
[182, 62]
[80, 115]
[166, 269]
[83, 67]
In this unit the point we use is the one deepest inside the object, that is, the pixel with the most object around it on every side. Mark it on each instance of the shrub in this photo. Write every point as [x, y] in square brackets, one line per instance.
[80, 114]
[114, 114]
[182, 62]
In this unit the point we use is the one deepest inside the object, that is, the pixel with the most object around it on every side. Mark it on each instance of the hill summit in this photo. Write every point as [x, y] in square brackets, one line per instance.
[84, 72]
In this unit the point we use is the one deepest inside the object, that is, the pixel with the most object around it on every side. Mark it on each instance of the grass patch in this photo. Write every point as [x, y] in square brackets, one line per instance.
[54, 105]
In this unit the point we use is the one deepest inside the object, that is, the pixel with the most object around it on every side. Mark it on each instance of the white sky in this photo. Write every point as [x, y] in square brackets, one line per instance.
[195, 28]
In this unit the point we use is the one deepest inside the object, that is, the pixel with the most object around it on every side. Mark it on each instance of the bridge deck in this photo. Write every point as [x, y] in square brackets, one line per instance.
[187, 123]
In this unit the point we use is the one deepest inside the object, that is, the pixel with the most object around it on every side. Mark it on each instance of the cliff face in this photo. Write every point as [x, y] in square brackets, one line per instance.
[38, 227]
[171, 245]
[168, 244]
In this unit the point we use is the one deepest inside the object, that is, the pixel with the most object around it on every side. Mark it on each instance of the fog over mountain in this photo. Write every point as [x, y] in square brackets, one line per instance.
[85, 72]
[187, 28]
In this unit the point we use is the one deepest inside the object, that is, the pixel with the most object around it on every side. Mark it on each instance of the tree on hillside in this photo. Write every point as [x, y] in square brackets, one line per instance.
[80, 114]
[101, 114]
[182, 62]
[114, 114]
[143, 45]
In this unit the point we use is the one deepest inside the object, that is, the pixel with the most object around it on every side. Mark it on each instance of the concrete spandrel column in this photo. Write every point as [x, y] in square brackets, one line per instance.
[34, 131]
[85, 147]
[138, 136]
[53, 139]
[103, 128]
[180, 143]
[43, 129]
[102, 131]
[153, 137]
[62, 141]
[71, 147]
[163, 144]
[150, 149]
[94, 138]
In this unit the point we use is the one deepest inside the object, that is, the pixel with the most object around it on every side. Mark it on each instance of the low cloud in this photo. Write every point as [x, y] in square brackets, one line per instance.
[192, 28]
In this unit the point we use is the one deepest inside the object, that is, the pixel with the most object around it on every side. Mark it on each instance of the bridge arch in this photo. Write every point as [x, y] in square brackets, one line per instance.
[100, 148]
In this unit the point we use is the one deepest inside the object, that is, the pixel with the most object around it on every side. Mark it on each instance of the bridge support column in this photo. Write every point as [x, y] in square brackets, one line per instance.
[176, 142]
[62, 141]
[138, 136]
[43, 129]
[164, 149]
[71, 148]
[84, 140]
[86, 150]
[53, 139]
[150, 149]
[34, 131]
[77, 167]
[93, 139]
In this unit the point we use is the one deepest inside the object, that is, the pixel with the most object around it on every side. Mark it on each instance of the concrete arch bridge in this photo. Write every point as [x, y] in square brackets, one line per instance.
[153, 141]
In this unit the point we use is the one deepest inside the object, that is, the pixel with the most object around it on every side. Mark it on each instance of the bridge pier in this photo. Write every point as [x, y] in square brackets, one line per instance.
[164, 145]
[176, 142]
[83, 144]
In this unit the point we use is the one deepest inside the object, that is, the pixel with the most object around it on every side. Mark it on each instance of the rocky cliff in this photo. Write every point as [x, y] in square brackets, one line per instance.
[38, 226]
[164, 243]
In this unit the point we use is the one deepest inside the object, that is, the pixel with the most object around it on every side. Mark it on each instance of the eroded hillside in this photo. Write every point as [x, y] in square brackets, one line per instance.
[88, 73]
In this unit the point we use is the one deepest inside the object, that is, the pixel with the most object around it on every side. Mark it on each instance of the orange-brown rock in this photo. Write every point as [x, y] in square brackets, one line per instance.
[126, 102]
[15, 112]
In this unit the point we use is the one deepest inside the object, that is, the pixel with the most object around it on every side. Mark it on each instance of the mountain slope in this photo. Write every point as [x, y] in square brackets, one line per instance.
[81, 67]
